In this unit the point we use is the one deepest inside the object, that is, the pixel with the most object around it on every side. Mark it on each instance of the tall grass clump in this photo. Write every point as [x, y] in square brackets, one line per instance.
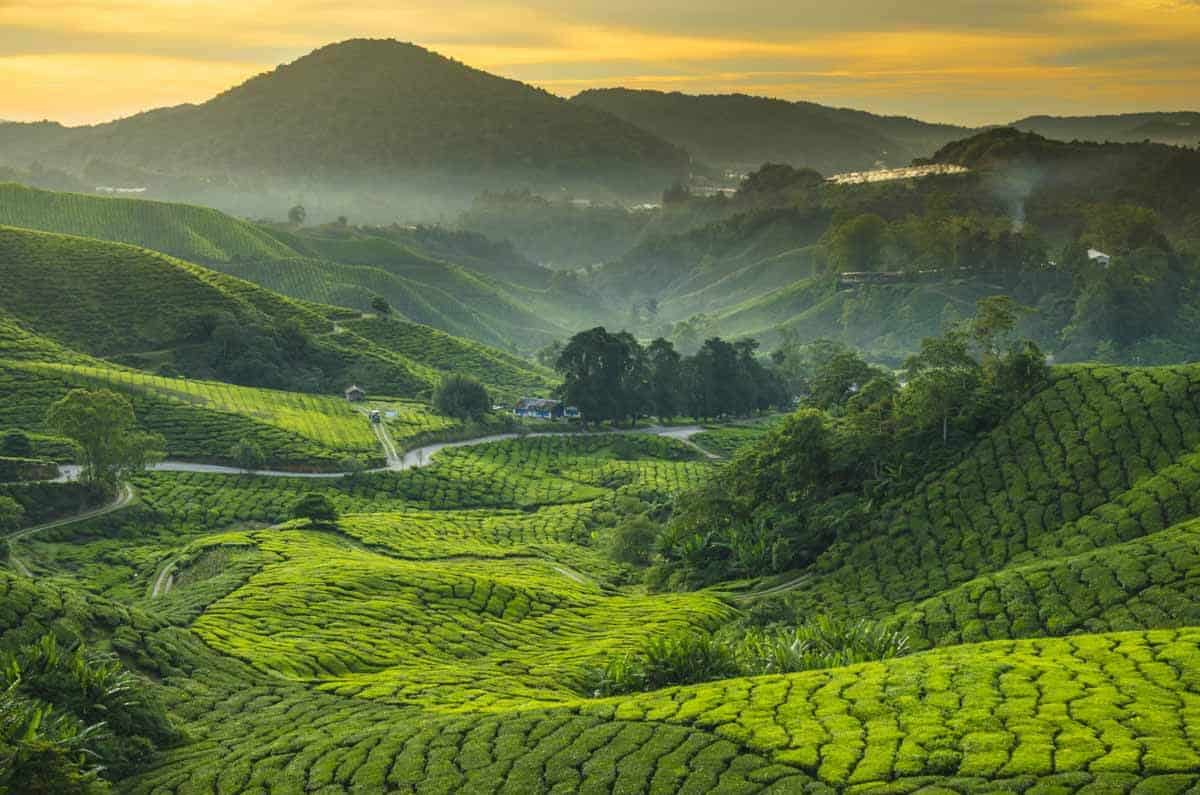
[690, 658]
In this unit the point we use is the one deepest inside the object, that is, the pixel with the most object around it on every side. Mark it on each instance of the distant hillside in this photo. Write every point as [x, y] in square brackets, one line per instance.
[455, 281]
[144, 309]
[1181, 127]
[743, 132]
[1055, 174]
[364, 113]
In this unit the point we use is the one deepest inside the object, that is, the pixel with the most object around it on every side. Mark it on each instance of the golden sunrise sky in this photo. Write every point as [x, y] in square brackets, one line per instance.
[81, 61]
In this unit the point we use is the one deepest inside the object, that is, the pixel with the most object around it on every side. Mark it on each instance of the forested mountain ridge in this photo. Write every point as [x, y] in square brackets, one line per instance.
[741, 132]
[362, 113]
[1178, 127]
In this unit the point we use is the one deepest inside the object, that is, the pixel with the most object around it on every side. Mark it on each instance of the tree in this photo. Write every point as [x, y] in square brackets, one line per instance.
[838, 378]
[297, 215]
[633, 540]
[994, 321]
[597, 369]
[548, 355]
[462, 397]
[942, 380]
[101, 423]
[16, 444]
[666, 378]
[248, 455]
[11, 513]
[380, 305]
[857, 244]
[315, 507]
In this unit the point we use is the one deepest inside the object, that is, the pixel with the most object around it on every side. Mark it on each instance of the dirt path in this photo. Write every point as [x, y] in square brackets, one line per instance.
[124, 497]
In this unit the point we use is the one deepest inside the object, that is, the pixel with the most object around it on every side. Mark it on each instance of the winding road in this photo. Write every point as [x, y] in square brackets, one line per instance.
[412, 459]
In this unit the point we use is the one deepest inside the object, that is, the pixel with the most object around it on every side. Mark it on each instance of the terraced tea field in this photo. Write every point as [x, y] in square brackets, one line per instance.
[445, 634]
[203, 420]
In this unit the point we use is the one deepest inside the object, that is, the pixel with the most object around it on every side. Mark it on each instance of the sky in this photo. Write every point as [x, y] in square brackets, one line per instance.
[83, 61]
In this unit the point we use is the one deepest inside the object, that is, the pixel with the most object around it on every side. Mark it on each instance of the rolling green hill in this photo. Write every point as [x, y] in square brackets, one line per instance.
[137, 307]
[442, 636]
[461, 283]
[1074, 515]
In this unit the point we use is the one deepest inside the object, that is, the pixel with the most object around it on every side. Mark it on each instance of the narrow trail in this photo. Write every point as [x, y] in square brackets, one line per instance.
[390, 452]
[165, 580]
[775, 590]
[124, 497]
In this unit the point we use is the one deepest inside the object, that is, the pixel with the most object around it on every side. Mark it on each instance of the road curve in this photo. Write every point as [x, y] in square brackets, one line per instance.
[413, 459]
[124, 497]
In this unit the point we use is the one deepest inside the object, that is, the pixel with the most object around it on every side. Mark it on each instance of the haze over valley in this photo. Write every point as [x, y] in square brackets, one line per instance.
[599, 399]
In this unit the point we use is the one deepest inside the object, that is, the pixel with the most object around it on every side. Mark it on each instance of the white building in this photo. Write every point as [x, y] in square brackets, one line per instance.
[1100, 257]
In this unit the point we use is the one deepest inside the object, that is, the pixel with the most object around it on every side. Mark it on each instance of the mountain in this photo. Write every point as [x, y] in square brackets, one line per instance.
[360, 115]
[740, 132]
[1180, 127]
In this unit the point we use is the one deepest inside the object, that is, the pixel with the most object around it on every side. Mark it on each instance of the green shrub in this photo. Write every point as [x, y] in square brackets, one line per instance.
[317, 508]
[633, 540]
[823, 642]
[16, 444]
[676, 659]
[462, 397]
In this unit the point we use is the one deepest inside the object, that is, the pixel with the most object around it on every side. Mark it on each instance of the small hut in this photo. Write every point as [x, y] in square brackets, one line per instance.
[355, 394]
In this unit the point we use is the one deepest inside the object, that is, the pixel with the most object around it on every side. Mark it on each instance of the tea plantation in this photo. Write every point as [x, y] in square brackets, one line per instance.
[444, 634]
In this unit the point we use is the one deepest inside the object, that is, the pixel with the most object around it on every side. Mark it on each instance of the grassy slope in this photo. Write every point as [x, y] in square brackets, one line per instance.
[332, 265]
[506, 373]
[106, 298]
[111, 300]
[194, 233]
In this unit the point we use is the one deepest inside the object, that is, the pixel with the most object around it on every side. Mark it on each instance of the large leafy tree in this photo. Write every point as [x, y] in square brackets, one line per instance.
[598, 369]
[101, 423]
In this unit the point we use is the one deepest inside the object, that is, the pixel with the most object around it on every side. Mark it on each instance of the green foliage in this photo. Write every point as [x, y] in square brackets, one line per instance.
[462, 397]
[16, 444]
[316, 508]
[823, 642]
[691, 658]
[11, 513]
[633, 540]
[247, 455]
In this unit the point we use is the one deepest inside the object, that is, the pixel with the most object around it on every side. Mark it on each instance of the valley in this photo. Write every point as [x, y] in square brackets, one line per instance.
[381, 424]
